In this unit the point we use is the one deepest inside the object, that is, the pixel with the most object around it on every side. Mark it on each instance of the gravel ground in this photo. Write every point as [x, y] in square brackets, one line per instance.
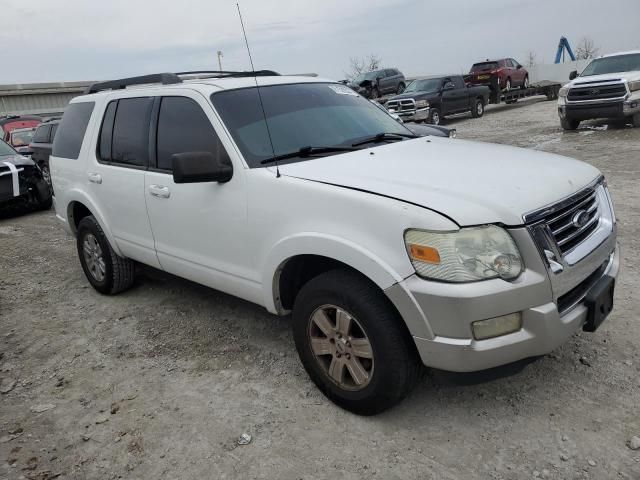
[159, 382]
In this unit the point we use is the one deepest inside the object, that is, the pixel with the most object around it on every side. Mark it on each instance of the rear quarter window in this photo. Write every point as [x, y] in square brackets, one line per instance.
[42, 134]
[71, 130]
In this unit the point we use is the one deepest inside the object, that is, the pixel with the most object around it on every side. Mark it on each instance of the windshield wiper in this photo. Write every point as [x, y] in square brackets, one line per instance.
[380, 137]
[307, 151]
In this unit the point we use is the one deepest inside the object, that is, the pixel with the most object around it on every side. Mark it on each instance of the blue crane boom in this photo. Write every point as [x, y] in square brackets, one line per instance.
[562, 46]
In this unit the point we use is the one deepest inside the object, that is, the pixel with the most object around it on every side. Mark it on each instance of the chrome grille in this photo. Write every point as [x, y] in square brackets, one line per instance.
[403, 105]
[570, 226]
[597, 92]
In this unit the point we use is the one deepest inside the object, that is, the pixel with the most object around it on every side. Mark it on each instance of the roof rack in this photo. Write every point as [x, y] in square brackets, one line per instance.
[172, 78]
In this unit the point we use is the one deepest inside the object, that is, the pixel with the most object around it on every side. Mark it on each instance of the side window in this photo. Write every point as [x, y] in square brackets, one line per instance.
[184, 127]
[130, 137]
[71, 131]
[106, 132]
[54, 129]
[458, 82]
[42, 134]
[389, 72]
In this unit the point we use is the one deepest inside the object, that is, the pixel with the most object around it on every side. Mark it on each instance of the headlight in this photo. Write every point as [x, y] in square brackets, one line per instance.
[635, 85]
[563, 92]
[468, 255]
[422, 104]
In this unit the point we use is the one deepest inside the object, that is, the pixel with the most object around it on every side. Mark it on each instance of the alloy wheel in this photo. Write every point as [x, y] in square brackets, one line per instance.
[341, 347]
[93, 257]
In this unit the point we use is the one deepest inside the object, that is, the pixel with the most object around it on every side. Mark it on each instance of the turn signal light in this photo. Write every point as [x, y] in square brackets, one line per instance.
[424, 254]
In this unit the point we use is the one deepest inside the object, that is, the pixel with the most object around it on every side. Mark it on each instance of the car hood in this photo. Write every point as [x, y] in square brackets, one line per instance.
[17, 160]
[416, 95]
[470, 182]
[629, 76]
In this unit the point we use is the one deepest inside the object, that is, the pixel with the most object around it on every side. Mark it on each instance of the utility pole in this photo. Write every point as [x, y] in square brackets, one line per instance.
[220, 55]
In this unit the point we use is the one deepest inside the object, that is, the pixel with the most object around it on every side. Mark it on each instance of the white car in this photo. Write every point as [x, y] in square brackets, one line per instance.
[609, 87]
[389, 250]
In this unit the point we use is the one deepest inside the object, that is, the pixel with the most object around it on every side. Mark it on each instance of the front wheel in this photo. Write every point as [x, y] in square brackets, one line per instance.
[352, 343]
[434, 116]
[106, 271]
[478, 109]
[569, 124]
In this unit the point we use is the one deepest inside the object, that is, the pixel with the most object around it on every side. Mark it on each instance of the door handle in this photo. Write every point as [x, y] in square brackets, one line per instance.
[159, 191]
[95, 178]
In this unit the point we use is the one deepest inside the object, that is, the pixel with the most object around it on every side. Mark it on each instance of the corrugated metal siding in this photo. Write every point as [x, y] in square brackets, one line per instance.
[38, 99]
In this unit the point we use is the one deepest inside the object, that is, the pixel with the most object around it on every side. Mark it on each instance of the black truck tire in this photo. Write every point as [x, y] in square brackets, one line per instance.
[106, 271]
[569, 124]
[434, 116]
[353, 344]
[478, 108]
[375, 93]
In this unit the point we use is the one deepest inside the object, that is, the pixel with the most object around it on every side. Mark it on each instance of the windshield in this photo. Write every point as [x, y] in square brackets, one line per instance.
[6, 149]
[426, 85]
[619, 63]
[299, 116]
[20, 139]
[484, 66]
[365, 76]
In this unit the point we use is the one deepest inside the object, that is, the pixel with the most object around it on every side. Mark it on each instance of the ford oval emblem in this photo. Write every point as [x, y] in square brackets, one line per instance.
[580, 218]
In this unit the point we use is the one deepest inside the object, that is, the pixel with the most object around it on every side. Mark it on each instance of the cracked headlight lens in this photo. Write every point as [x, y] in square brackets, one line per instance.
[468, 255]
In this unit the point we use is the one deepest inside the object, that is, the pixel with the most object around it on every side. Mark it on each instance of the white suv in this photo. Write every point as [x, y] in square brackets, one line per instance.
[303, 197]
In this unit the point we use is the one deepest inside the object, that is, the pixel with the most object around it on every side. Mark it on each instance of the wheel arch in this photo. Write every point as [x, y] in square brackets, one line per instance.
[78, 207]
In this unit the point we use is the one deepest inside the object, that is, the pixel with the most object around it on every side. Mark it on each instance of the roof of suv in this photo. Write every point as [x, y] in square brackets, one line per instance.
[630, 52]
[212, 84]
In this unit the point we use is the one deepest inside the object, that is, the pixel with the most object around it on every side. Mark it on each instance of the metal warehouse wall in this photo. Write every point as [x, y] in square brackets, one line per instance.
[38, 98]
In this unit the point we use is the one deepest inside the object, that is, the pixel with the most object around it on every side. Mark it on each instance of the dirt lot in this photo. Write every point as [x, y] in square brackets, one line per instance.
[161, 381]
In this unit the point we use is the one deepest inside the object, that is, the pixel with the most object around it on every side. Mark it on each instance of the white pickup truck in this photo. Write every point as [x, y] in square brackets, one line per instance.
[609, 87]
[389, 250]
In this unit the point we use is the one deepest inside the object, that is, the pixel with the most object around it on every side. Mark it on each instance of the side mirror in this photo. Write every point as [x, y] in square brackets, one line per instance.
[573, 75]
[379, 77]
[518, 67]
[449, 86]
[198, 167]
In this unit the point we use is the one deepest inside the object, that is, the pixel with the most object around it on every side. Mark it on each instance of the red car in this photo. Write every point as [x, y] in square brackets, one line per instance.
[11, 122]
[509, 74]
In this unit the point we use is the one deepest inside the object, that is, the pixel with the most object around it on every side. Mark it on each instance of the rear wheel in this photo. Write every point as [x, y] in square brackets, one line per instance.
[569, 124]
[478, 109]
[525, 83]
[352, 343]
[507, 85]
[375, 93]
[106, 271]
[434, 116]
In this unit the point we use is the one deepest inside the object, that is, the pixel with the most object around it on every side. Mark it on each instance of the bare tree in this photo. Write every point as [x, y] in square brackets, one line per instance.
[586, 49]
[531, 58]
[359, 65]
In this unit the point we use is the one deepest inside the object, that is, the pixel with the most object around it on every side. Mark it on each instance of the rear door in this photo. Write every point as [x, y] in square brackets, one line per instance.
[454, 99]
[199, 228]
[116, 175]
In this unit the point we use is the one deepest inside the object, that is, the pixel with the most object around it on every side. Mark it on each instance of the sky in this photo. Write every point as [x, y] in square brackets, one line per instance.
[81, 40]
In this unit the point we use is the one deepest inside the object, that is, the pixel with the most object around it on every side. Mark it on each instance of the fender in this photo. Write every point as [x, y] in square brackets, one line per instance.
[337, 248]
[76, 195]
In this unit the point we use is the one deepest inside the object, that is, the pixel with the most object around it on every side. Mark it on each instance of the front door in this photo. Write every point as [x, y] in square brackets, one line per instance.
[199, 228]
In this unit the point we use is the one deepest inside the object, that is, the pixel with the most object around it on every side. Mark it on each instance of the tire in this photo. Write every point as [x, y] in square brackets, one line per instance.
[525, 83]
[401, 87]
[434, 117]
[507, 85]
[108, 273]
[45, 173]
[569, 124]
[478, 109]
[375, 93]
[636, 120]
[45, 204]
[389, 365]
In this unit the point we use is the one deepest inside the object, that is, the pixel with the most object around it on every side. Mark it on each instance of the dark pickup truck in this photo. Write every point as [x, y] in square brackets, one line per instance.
[431, 99]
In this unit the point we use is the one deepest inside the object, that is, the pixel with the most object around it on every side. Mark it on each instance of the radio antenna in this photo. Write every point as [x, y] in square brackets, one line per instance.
[255, 78]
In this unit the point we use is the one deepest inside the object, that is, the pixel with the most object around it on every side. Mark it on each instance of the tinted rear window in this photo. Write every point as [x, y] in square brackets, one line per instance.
[72, 129]
[42, 134]
[480, 67]
[130, 144]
